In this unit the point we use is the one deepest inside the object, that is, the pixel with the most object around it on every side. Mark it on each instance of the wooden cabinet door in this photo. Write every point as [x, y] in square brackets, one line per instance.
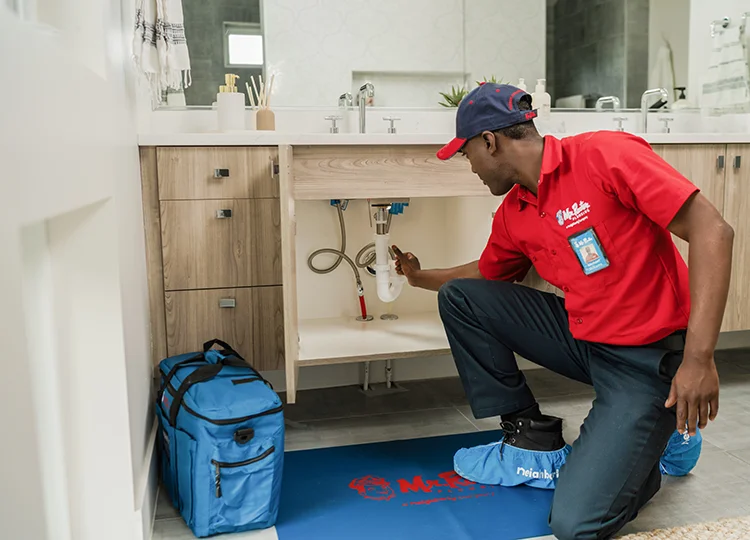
[204, 251]
[190, 173]
[699, 163]
[251, 320]
[737, 214]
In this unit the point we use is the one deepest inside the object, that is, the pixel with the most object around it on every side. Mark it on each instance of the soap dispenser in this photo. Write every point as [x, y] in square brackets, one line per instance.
[231, 105]
[682, 102]
[522, 84]
[541, 100]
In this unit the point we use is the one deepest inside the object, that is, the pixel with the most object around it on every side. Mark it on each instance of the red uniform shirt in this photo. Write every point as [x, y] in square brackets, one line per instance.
[616, 184]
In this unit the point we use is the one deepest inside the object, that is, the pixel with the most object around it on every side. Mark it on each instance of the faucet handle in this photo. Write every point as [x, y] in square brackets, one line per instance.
[391, 119]
[333, 118]
[620, 120]
[666, 121]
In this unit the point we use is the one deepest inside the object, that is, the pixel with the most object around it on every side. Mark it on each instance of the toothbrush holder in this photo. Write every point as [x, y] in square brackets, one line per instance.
[265, 120]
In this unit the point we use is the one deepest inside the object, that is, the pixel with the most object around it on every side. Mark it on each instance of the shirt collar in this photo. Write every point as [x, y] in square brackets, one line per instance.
[552, 157]
[551, 160]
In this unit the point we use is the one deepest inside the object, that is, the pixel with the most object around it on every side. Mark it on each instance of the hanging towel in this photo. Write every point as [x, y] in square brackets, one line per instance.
[159, 46]
[727, 86]
[662, 72]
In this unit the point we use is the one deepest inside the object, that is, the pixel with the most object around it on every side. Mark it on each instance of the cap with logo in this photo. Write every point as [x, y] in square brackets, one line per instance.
[488, 107]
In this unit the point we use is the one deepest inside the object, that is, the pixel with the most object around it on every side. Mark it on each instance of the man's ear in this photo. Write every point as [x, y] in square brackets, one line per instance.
[490, 141]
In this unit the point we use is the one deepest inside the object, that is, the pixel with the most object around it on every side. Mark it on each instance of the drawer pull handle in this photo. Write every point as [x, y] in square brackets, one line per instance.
[720, 162]
[737, 162]
[224, 213]
[274, 168]
[221, 173]
[227, 303]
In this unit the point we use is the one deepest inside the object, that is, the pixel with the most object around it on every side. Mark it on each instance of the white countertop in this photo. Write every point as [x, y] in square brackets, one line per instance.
[273, 138]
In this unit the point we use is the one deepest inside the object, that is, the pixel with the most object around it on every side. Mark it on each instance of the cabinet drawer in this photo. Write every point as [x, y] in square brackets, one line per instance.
[191, 173]
[202, 251]
[254, 326]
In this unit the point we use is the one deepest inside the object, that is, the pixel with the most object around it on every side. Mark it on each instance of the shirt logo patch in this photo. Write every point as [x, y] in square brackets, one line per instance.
[575, 213]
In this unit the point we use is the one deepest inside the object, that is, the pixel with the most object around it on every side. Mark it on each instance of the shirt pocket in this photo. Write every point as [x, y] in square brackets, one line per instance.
[544, 264]
[571, 272]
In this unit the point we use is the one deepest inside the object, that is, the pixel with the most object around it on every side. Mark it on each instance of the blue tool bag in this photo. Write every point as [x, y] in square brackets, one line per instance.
[221, 441]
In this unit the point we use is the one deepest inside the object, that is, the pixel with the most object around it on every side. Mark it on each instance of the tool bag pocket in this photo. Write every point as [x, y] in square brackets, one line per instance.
[186, 456]
[167, 457]
[245, 481]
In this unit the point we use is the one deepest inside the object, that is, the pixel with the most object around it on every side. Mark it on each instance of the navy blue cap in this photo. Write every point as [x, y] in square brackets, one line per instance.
[488, 107]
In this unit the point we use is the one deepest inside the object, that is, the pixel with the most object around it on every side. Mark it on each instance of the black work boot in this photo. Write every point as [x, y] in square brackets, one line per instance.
[541, 434]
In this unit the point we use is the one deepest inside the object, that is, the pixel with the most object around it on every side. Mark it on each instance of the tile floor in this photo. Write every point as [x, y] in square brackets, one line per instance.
[718, 487]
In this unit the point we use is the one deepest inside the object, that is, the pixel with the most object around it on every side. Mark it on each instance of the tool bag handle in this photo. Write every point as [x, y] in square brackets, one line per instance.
[196, 359]
[228, 350]
[202, 374]
[232, 358]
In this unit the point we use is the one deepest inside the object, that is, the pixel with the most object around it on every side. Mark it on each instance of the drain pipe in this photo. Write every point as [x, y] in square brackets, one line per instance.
[388, 282]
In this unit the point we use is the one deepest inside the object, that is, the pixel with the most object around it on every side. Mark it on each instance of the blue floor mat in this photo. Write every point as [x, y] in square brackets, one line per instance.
[402, 490]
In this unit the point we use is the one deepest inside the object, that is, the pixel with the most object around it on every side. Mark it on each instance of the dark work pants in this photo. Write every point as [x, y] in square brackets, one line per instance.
[613, 469]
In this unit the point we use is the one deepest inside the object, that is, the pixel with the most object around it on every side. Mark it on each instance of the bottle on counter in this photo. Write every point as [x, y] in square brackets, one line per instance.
[682, 102]
[541, 100]
[230, 105]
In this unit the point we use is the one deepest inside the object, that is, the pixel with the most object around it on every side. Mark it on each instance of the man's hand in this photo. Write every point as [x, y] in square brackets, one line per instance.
[695, 388]
[407, 265]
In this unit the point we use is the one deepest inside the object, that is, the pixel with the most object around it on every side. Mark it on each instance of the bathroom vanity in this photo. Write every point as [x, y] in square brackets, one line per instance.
[231, 219]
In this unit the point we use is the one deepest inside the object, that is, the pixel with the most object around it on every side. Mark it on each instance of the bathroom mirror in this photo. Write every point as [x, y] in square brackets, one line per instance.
[414, 51]
[224, 36]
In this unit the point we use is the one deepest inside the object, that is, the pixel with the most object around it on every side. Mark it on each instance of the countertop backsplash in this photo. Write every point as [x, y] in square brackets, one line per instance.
[420, 126]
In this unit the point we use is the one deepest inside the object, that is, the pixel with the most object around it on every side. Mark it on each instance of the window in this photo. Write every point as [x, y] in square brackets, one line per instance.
[243, 45]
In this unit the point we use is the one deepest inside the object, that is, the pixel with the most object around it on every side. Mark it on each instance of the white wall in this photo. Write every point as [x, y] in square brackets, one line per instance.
[409, 50]
[74, 281]
[702, 12]
[670, 20]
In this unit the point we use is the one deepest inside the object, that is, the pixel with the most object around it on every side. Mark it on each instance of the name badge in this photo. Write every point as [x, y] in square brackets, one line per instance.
[589, 251]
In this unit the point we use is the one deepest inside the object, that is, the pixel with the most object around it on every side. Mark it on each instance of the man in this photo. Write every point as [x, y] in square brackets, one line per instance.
[593, 214]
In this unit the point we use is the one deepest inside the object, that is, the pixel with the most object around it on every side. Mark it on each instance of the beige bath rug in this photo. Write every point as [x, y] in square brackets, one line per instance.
[725, 529]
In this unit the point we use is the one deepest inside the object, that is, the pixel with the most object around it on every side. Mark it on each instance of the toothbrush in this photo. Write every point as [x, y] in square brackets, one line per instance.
[250, 95]
[256, 90]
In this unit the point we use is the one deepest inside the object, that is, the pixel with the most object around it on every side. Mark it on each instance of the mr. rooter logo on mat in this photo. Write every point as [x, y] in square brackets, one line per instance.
[449, 485]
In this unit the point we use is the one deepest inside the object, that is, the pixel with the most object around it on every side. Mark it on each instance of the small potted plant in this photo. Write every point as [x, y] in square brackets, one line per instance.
[453, 99]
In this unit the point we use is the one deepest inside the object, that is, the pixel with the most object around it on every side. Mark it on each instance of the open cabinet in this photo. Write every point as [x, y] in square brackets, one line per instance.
[447, 223]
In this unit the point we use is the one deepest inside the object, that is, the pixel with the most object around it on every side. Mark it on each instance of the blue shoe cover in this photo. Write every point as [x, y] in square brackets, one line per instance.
[500, 464]
[681, 454]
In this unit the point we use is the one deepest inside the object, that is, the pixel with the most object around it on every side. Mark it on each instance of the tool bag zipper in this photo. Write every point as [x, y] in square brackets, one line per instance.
[223, 465]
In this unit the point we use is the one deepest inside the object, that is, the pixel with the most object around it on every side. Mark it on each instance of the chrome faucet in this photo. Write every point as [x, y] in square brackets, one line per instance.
[367, 91]
[614, 100]
[345, 100]
[662, 92]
